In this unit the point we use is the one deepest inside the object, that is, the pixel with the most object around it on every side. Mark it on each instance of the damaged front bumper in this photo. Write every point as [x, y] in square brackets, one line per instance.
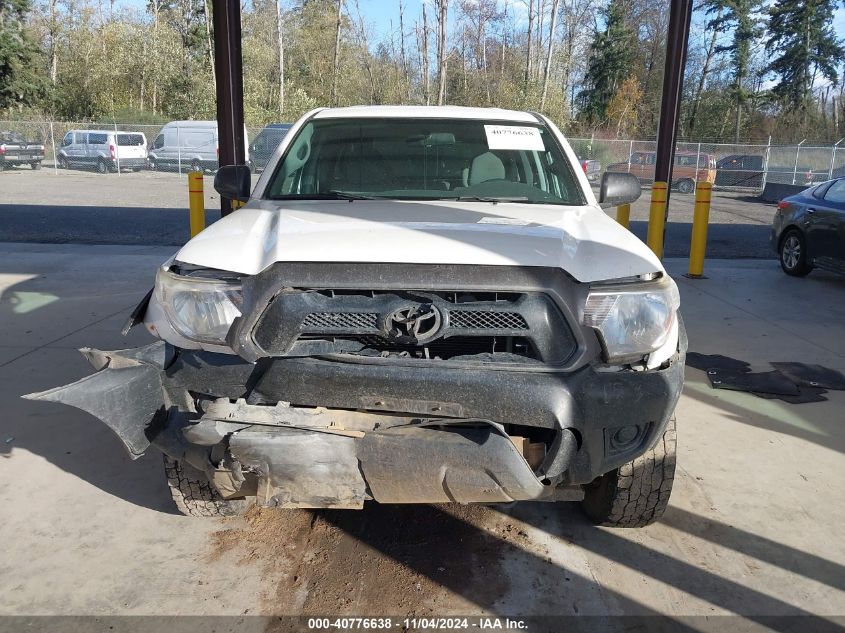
[356, 432]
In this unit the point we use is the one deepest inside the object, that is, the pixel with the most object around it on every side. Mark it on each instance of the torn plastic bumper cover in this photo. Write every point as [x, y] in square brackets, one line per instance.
[208, 410]
[125, 393]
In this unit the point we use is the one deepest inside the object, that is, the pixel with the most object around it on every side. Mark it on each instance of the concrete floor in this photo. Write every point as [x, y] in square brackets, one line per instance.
[754, 525]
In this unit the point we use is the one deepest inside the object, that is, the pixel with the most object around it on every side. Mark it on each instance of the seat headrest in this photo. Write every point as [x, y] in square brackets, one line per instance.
[484, 167]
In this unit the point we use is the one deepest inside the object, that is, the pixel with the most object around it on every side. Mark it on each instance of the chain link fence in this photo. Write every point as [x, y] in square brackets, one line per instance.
[183, 147]
[741, 167]
[176, 147]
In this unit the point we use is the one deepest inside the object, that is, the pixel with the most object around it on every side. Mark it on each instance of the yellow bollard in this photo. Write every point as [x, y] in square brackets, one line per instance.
[196, 202]
[700, 220]
[623, 215]
[657, 218]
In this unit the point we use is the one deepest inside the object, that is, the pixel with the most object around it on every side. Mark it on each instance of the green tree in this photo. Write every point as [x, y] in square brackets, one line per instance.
[611, 56]
[739, 16]
[22, 79]
[805, 46]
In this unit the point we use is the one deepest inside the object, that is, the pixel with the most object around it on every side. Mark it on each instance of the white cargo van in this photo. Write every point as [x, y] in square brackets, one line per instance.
[187, 146]
[104, 150]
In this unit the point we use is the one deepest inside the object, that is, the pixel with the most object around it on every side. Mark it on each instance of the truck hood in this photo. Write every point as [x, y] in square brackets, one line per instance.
[583, 241]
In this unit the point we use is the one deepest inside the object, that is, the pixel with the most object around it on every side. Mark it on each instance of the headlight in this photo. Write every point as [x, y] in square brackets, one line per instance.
[198, 308]
[634, 320]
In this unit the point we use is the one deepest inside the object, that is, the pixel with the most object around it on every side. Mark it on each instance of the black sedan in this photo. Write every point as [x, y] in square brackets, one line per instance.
[809, 229]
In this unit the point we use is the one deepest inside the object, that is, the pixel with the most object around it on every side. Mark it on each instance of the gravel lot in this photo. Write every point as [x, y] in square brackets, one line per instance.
[150, 208]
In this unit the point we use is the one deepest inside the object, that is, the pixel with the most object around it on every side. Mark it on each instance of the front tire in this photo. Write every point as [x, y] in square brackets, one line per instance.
[194, 495]
[63, 164]
[793, 254]
[36, 166]
[635, 494]
[686, 186]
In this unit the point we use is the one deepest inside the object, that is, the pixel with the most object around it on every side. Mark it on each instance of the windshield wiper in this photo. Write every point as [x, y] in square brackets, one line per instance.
[493, 199]
[329, 195]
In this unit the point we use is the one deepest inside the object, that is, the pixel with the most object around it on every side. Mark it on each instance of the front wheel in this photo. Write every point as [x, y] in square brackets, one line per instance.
[194, 495]
[635, 494]
[63, 164]
[793, 254]
[36, 165]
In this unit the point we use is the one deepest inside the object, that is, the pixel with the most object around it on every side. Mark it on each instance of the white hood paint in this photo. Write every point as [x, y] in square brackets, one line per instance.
[583, 241]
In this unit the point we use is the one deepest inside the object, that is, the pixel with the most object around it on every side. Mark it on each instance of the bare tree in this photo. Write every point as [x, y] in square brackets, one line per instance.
[538, 36]
[705, 70]
[365, 52]
[281, 42]
[156, 6]
[336, 52]
[529, 49]
[426, 72]
[208, 42]
[53, 29]
[550, 51]
[575, 16]
[442, 7]
[403, 59]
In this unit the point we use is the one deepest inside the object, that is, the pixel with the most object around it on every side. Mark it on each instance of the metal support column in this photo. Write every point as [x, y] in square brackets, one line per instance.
[228, 66]
[680, 13]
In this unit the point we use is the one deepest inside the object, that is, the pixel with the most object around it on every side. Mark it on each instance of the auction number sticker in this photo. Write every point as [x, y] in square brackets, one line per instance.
[514, 137]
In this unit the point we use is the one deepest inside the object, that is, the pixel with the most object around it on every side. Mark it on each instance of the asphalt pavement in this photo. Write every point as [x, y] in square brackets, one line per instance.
[150, 208]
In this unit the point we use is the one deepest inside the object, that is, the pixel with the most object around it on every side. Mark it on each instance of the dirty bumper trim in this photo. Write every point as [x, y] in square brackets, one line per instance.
[125, 393]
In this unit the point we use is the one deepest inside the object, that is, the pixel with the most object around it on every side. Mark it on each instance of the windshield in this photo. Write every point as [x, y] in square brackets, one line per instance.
[11, 137]
[425, 159]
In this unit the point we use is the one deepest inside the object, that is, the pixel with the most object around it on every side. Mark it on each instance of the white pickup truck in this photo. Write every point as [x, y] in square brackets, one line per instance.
[415, 305]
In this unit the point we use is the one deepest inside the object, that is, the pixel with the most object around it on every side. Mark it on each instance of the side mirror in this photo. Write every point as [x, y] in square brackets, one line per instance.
[233, 182]
[618, 188]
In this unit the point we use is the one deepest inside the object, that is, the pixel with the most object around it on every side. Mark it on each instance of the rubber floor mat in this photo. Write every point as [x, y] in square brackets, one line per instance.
[805, 395]
[812, 375]
[718, 362]
[770, 382]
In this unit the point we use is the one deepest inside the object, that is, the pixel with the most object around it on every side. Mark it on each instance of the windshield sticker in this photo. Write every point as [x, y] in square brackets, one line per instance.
[514, 137]
[499, 220]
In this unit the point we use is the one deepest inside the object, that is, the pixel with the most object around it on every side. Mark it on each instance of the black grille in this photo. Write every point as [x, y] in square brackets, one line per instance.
[508, 327]
[340, 321]
[478, 320]
[504, 348]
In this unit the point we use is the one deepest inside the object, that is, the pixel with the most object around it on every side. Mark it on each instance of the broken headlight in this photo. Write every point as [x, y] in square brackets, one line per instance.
[632, 320]
[199, 308]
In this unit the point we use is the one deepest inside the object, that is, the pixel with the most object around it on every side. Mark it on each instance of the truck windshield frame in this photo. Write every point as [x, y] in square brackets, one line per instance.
[425, 159]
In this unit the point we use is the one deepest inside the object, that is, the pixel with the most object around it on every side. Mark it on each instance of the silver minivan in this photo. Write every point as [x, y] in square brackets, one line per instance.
[186, 146]
[104, 150]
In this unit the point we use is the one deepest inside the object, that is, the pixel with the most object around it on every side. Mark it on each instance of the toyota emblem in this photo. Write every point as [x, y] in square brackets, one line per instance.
[414, 324]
